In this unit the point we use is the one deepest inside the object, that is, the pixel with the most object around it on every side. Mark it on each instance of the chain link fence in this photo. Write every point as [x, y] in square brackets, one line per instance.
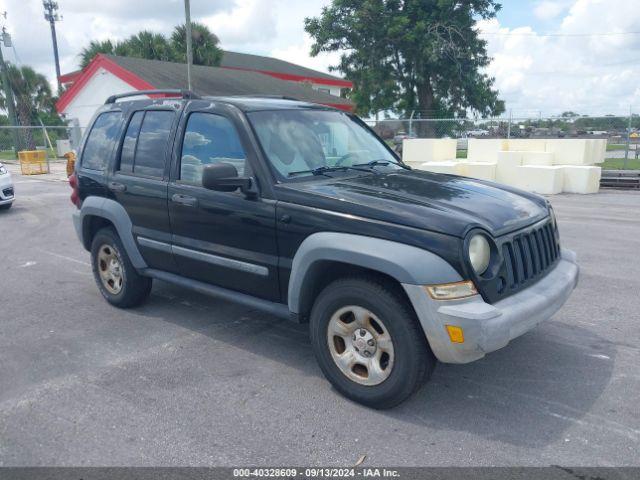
[622, 133]
[56, 140]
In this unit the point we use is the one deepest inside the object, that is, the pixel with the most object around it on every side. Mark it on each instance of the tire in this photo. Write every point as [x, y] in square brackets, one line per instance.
[6, 206]
[117, 279]
[409, 360]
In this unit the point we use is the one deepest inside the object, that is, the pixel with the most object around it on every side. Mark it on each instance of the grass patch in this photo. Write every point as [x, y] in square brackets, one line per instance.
[461, 154]
[616, 147]
[618, 164]
[7, 155]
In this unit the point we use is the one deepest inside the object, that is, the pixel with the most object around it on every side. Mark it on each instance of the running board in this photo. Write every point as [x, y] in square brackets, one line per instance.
[277, 309]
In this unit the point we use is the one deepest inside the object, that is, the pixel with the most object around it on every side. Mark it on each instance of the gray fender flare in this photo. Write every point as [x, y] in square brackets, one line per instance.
[117, 215]
[405, 263]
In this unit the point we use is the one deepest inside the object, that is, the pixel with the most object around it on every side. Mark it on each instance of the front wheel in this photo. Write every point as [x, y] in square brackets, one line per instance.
[368, 342]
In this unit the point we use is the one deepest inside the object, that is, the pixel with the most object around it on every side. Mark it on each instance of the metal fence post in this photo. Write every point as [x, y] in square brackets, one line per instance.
[626, 150]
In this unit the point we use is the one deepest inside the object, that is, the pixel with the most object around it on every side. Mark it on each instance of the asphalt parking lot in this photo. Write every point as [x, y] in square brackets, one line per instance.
[190, 380]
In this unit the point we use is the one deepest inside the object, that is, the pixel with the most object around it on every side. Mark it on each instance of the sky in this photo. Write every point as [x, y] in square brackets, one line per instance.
[543, 60]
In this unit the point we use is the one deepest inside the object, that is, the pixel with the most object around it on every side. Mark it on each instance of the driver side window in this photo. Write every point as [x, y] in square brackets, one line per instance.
[209, 138]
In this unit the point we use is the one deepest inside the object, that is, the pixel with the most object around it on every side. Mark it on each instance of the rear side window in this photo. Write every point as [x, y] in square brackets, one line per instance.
[145, 143]
[152, 143]
[102, 139]
[129, 143]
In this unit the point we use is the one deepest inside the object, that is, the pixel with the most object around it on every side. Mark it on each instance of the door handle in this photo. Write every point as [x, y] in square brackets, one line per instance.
[185, 200]
[117, 187]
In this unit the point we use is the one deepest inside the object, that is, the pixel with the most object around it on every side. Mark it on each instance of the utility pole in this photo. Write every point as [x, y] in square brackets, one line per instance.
[8, 91]
[51, 16]
[187, 14]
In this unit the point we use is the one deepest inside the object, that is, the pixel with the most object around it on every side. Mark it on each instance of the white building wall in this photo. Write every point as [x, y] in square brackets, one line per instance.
[102, 85]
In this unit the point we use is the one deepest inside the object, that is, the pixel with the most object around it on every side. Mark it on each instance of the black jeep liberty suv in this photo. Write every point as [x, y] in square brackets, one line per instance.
[302, 211]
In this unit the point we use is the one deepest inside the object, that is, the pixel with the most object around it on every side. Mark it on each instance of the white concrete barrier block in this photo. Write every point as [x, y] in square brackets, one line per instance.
[546, 180]
[452, 168]
[527, 145]
[420, 150]
[600, 150]
[569, 151]
[480, 170]
[537, 158]
[485, 149]
[506, 167]
[581, 179]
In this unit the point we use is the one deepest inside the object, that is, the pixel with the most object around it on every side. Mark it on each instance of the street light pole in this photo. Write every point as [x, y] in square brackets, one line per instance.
[187, 14]
[51, 16]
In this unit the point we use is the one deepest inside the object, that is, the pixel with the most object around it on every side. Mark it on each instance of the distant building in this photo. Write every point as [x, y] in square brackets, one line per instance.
[240, 74]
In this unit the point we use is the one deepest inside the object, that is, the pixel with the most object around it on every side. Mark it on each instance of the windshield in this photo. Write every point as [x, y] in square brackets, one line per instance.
[300, 143]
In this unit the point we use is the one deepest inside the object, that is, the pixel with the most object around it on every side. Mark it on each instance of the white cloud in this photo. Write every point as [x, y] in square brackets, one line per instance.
[548, 10]
[587, 74]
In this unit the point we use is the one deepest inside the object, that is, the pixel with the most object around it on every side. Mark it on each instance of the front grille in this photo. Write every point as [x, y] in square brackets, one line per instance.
[8, 192]
[529, 255]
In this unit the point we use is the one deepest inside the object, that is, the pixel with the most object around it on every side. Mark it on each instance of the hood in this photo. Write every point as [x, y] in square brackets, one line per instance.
[442, 203]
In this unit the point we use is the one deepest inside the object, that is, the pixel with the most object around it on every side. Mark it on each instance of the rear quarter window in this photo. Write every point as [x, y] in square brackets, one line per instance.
[101, 141]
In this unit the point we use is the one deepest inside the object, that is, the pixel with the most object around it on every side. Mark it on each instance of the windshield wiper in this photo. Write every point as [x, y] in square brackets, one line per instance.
[382, 163]
[324, 169]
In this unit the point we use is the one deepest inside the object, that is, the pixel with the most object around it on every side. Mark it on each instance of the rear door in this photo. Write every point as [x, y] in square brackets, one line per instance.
[222, 238]
[140, 181]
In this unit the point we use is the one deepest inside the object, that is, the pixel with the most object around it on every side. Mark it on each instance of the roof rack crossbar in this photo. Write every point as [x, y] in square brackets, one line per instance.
[186, 94]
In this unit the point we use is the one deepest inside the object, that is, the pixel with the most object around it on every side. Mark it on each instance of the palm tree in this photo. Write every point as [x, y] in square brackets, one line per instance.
[96, 47]
[33, 97]
[146, 44]
[155, 46]
[204, 45]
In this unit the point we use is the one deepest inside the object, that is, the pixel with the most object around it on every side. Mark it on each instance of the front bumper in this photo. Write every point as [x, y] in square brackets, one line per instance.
[490, 327]
[7, 194]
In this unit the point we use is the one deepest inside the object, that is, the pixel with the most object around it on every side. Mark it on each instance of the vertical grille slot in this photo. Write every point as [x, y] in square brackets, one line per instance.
[508, 261]
[529, 255]
[533, 249]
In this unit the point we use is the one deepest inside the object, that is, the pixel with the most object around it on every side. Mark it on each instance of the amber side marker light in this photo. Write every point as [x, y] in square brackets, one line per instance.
[451, 291]
[456, 334]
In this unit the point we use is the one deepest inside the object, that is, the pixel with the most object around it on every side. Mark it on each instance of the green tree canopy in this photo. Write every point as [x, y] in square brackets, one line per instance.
[33, 99]
[405, 55]
[155, 46]
[203, 42]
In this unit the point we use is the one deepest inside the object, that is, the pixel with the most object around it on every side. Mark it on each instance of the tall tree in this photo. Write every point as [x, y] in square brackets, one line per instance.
[146, 44]
[204, 43]
[155, 46]
[406, 55]
[106, 46]
[33, 98]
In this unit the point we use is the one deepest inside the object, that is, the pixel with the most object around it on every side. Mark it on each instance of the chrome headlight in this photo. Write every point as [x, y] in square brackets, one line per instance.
[3, 170]
[479, 253]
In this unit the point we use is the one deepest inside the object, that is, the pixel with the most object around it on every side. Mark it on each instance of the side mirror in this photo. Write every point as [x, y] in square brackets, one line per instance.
[223, 177]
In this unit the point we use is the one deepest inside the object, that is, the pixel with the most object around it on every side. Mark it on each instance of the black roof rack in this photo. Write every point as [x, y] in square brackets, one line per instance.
[186, 94]
[279, 97]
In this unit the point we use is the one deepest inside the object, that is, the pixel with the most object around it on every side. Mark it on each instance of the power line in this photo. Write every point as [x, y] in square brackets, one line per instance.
[534, 34]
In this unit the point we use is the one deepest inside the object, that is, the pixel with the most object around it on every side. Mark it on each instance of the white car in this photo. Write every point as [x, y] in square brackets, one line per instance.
[6, 188]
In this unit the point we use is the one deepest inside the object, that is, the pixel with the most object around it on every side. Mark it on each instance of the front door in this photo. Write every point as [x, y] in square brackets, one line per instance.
[222, 238]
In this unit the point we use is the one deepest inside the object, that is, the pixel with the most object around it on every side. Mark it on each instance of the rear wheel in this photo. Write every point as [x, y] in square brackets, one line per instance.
[117, 279]
[368, 341]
